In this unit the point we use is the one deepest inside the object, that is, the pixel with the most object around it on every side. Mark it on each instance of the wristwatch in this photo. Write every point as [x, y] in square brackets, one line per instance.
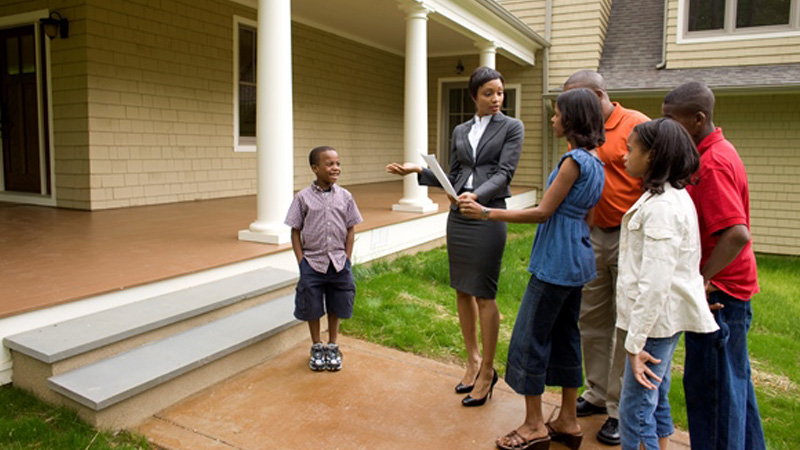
[485, 213]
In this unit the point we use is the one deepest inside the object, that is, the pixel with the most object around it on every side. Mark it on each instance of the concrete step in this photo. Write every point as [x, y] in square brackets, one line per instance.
[63, 340]
[118, 366]
[108, 383]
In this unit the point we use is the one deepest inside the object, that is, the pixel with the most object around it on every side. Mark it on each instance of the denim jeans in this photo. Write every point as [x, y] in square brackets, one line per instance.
[720, 400]
[545, 347]
[644, 414]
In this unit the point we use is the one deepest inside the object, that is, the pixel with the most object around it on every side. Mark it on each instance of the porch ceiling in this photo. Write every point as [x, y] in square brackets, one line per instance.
[453, 29]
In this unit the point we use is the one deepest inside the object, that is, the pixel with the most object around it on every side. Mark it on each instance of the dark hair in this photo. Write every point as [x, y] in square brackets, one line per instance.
[673, 157]
[582, 117]
[481, 76]
[690, 98]
[313, 157]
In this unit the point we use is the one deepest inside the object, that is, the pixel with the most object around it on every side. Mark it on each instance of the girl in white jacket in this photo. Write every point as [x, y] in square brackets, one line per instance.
[660, 291]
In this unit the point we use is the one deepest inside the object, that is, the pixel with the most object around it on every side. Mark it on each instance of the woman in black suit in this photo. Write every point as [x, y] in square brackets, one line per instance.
[483, 158]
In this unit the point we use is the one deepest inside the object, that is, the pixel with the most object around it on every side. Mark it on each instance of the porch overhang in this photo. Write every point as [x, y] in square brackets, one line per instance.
[454, 28]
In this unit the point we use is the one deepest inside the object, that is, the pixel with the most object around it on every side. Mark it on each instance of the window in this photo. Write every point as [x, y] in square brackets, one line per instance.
[244, 75]
[729, 17]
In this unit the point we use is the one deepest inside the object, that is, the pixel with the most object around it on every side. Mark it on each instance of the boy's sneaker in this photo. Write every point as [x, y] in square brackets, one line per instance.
[318, 358]
[333, 357]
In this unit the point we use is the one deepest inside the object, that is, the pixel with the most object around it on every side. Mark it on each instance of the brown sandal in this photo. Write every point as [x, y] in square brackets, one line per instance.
[572, 441]
[542, 443]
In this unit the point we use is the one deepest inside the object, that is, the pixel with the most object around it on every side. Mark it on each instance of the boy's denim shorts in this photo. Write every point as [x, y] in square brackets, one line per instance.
[320, 293]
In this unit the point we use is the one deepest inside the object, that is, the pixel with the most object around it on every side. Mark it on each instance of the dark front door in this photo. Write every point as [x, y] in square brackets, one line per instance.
[20, 117]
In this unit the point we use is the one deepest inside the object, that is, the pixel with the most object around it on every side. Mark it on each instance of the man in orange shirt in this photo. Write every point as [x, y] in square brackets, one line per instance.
[603, 351]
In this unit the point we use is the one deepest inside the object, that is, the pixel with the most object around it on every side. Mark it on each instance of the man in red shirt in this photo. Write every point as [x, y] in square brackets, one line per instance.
[603, 351]
[720, 400]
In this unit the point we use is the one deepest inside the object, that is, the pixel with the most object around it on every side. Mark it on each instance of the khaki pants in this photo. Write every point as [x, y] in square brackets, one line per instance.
[602, 343]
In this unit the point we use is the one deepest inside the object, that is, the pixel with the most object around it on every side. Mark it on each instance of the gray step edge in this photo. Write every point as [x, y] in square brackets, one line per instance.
[66, 339]
[110, 381]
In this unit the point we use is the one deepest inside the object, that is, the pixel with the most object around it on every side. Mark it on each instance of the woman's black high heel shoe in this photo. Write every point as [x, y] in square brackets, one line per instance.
[471, 401]
[462, 388]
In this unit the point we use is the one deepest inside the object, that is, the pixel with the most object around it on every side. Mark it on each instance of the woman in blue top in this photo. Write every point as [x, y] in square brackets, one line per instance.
[545, 344]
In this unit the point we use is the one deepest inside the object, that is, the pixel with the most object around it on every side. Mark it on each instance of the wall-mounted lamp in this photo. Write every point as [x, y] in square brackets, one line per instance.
[459, 67]
[55, 25]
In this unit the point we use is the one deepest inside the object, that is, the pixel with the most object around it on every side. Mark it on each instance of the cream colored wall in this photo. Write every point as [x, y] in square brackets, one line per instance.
[577, 35]
[531, 12]
[763, 129]
[348, 96]
[68, 74]
[579, 29]
[529, 169]
[776, 50]
[160, 104]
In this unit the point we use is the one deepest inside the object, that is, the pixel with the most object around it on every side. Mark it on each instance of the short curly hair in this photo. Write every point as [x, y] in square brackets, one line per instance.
[313, 156]
[481, 76]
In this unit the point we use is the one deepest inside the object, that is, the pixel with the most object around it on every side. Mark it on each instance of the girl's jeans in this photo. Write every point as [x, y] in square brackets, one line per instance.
[644, 415]
[720, 399]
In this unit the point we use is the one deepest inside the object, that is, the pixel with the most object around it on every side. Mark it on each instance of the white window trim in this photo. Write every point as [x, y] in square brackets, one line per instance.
[518, 99]
[439, 118]
[246, 146]
[728, 35]
[41, 199]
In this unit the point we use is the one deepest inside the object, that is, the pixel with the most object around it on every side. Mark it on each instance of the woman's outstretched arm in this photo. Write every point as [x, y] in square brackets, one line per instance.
[553, 197]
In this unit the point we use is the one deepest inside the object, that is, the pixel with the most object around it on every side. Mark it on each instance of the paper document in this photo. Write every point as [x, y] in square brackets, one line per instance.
[430, 160]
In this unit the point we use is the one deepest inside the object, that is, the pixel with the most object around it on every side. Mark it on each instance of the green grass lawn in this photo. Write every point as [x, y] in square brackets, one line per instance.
[27, 423]
[408, 304]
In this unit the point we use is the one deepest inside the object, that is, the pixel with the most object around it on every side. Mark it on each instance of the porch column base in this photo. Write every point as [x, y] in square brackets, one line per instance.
[416, 207]
[278, 235]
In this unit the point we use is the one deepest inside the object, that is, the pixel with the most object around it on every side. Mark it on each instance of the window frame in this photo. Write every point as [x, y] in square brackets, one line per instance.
[729, 32]
[248, 144]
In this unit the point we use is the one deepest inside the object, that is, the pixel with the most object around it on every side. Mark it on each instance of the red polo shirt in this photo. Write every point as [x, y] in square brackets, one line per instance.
[722, 199]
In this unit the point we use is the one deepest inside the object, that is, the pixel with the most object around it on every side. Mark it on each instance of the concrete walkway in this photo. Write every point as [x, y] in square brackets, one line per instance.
[382, 399]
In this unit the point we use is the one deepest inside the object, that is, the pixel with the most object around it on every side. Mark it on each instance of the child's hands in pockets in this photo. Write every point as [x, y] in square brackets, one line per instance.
[640, 370]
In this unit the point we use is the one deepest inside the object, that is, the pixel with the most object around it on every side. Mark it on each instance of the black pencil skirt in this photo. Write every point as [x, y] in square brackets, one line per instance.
[475, 252]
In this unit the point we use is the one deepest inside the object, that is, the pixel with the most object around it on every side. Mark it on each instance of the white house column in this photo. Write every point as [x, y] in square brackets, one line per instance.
[415, 197]
[488, 53]
[274, 126]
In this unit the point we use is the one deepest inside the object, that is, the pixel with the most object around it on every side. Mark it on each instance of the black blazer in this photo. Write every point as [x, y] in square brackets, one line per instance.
[495, 160]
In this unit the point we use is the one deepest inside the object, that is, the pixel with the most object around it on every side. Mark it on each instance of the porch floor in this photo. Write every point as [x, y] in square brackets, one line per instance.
[382, 399]
[51, 256]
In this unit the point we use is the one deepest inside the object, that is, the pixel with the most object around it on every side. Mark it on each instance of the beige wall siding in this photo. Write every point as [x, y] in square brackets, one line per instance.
[68, 83]
[348, 96]
[531, 12]
[762, 128]
[577, 35]
[777, 50]
[579, 29]
[529, 171]
[160, 104]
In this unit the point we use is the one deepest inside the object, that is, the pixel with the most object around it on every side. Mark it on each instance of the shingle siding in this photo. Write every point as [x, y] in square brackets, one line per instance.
[160, 104]
[762, 128]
